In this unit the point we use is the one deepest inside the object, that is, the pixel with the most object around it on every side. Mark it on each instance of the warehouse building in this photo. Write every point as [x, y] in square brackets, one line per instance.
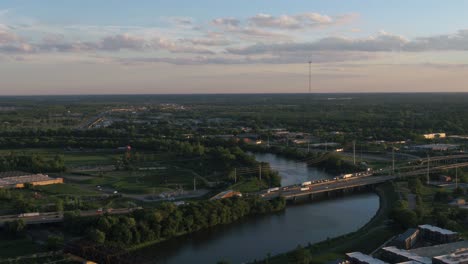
[460, 256]
[435, 135]
[438, 235]
[395, 255]
[360, 258]
[16, 179]
[407, 240]
[450, 253]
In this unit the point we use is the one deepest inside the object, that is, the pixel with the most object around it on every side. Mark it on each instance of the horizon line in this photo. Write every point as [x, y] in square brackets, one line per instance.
[193, 94]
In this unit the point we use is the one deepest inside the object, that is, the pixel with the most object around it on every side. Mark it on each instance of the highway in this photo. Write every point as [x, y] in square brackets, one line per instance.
[290, 192]
[55, 217]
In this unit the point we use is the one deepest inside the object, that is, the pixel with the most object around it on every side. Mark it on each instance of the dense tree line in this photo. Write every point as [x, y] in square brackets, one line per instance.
[31, 163]
[168, 220]
[217, 157]
[441, 215]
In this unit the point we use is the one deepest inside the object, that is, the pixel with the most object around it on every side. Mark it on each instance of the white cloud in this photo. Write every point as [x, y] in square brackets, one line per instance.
[299, 21]
[177, 47]
[382, 42]
[122, 41]
[226, 22]
[6, 36]
[290, 22]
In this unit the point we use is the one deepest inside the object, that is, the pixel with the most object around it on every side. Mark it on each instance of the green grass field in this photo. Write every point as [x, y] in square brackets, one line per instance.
[66, 189]
[249, 185]
[140, 182]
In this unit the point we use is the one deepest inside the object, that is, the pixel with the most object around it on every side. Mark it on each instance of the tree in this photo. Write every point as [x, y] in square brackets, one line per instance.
[14, 228]
[54, 242]
[441, 196]
[301, 255]
[96, 235]
[405, 217]
[59, 205]
[458, 192]
[415, 185]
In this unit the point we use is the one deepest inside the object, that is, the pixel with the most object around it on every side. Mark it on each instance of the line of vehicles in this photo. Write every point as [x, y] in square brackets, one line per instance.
[307, 185]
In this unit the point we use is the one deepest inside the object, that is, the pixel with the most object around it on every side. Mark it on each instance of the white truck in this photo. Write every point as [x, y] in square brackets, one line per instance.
[273, 190]
[307, 183]
[29, 214]
[303, 189]
[347, 176]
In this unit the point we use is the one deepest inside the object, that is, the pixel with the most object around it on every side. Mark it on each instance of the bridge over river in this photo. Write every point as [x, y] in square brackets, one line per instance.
[342, 185]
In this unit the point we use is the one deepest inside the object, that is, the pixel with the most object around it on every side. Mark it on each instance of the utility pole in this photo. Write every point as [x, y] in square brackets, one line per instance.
[194, 183]
[260, 171]
[310, 77]
[393, 159]
[456, 177]
[308, 145]
[235, 175]
[428, 169]
[354, 152]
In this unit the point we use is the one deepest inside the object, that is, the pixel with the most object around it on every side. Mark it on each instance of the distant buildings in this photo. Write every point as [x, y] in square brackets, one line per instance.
[395, 255]
[435, 135]
[459, 256]
[436, 147]
[407, 240]
[19, 179]
[445, 249]
[458, 202]
[359, 258]
[250, 138]
[438, 235]
[451, 253]
[445, 178]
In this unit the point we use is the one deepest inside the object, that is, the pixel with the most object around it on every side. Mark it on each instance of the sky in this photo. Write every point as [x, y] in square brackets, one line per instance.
[243, 46]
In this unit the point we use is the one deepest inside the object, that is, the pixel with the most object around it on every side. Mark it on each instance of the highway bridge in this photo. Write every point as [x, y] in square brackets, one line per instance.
[358, 182]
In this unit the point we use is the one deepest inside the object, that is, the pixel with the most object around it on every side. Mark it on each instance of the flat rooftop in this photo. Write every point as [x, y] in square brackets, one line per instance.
[365, 258]
[437, 229]
[409, 255]
[457, 257]
[406, 234]
[14, 180]
[439, 250]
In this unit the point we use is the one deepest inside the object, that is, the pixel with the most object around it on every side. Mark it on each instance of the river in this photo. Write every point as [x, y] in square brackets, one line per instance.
[292, 172]
[254, 238]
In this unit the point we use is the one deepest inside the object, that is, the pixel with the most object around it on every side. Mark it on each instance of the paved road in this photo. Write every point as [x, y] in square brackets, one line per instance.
[290, 192]
[295, 191]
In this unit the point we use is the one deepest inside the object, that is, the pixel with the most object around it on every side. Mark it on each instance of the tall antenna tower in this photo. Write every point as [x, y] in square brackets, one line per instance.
[310, 76]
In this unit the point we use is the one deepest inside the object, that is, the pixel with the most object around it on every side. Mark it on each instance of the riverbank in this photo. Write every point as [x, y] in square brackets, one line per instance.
[366, 239]
[330, 162]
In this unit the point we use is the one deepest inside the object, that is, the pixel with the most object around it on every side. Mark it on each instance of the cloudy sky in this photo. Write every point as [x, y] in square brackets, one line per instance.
[242, 46]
